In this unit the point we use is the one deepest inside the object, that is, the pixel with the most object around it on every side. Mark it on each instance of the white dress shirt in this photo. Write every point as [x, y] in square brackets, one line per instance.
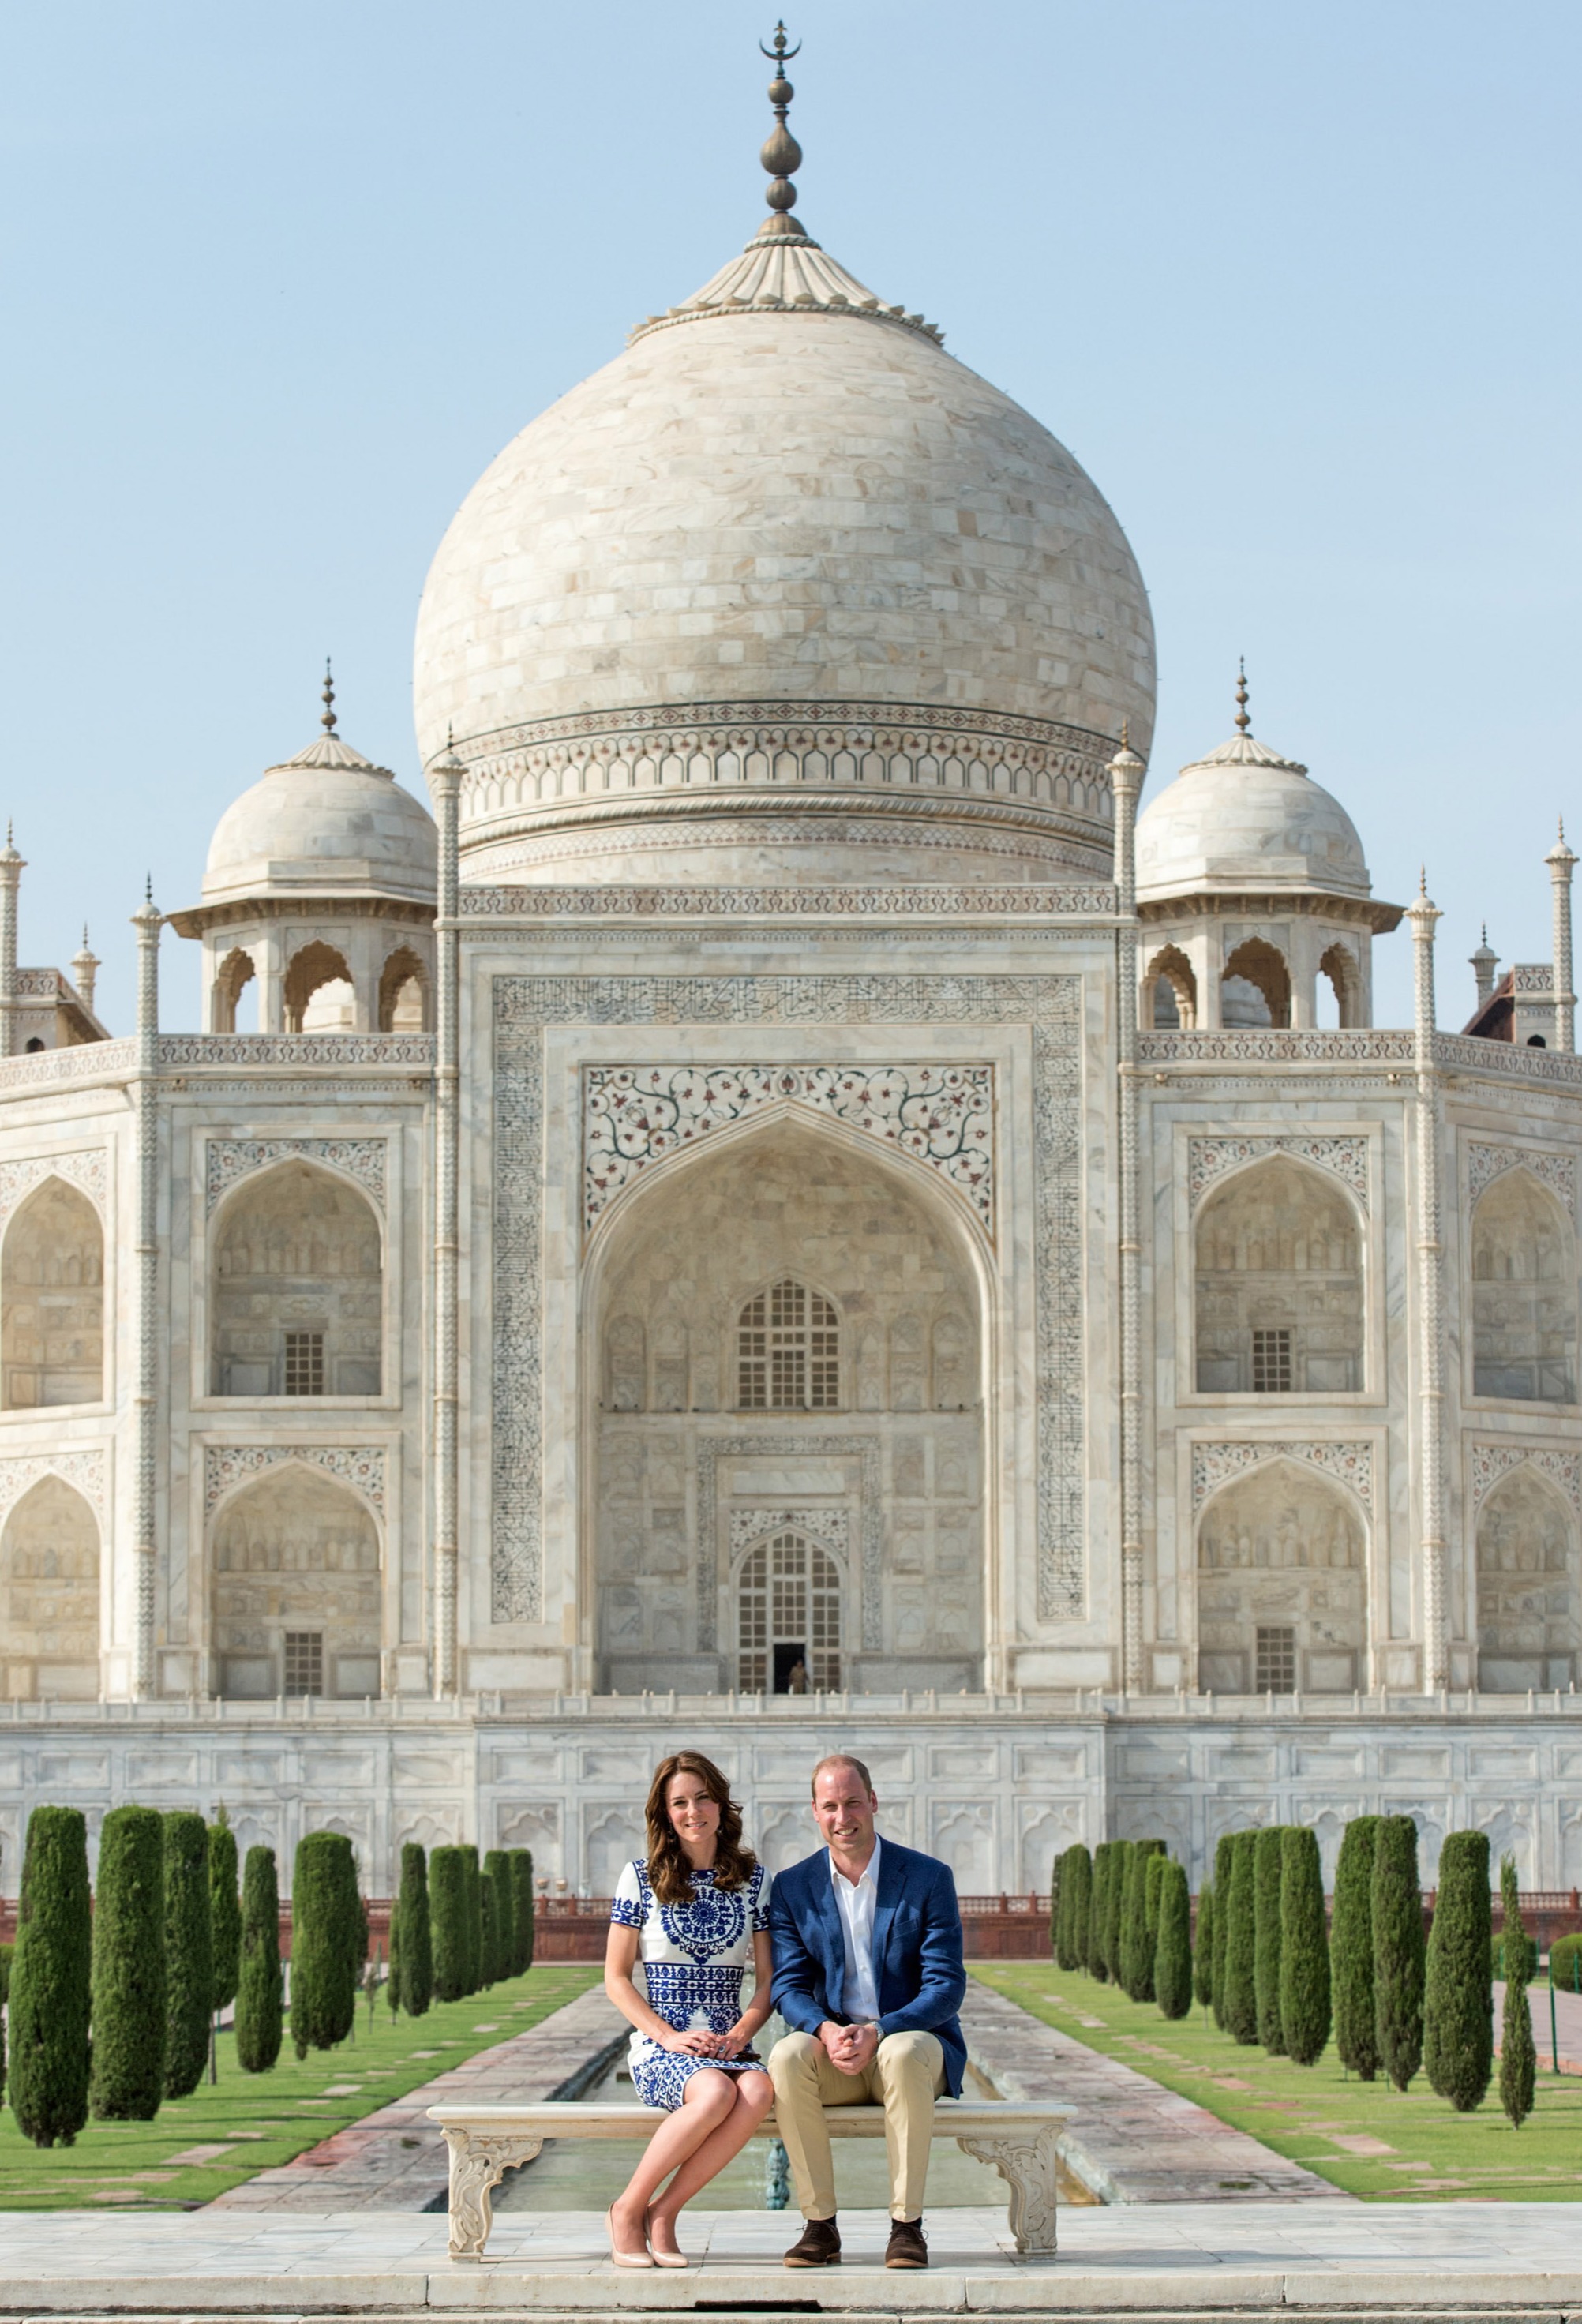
[855, 1901]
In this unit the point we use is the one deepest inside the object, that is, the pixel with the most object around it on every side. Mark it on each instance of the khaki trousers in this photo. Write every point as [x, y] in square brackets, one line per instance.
[905, 2076]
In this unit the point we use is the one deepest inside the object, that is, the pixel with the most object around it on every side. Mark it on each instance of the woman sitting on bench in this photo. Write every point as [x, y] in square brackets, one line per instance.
[696, 1912]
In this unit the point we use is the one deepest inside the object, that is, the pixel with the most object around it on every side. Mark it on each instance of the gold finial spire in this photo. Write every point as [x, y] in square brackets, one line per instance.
[1242, 721]
[329, 720]
[1126, 733]
[781, 155]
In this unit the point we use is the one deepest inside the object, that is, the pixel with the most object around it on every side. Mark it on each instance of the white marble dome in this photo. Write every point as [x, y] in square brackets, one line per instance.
[327, 823]
[782, 498]
[1245, 820]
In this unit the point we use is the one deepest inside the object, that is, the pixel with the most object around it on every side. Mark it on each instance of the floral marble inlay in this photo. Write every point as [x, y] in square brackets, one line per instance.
[941, 1115]
[361, 1466]
[231, 1159]
[1489, 1462]
[85, 1170]
[832, 1526]
[1345, 1157]
[1485, 1164]
[84, 1471]
[1214, 1465]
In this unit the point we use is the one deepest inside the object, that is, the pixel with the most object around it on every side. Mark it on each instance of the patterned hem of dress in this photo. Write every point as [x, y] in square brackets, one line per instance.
[661, 2081]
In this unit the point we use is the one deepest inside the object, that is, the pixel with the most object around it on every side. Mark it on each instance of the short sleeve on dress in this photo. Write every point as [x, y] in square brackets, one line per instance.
[761, 1884]
[627, 1909]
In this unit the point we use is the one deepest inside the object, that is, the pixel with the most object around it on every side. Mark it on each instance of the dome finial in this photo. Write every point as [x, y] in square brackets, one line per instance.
[1242, 721]
[329, 720]
[781, 155]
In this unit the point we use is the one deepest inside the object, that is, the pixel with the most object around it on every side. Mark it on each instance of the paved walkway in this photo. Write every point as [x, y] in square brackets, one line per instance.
[1175, 2257]
[1132, 2140]
[395, 2160]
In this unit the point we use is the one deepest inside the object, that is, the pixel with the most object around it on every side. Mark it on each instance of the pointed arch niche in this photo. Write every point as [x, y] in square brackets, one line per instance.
[52, 1301]
[1278, 1271]
[296, 1293]
[49, 1596]
[295, 1591]
[876, 1439]
[1529, 1586]
[1281, 1584]
[1523, 1292]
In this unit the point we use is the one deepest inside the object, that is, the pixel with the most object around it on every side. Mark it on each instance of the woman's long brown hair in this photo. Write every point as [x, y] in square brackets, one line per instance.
[669, 1872]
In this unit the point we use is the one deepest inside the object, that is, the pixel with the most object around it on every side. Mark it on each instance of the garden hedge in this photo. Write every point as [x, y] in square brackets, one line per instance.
[49, 1980]
[521, 1890]
[1351, 1950]
[326, 1919]
[1398, 1949]
[1458, 1994]
[449, 1905]
[224, 1910]
[1077, 1899]
[1565, 1964]
[417, 1945]
[189, 1961]
[1115, 1896]
[1241, 1994]
[129, 1967]
[260, 1984]
[1095, 1962]
[1518, 2052]
[1224, 1858]
[1203, 1948]
[1268, 1861]
[1136, 1940]
[1172, 1946]
[1304, 1947]
[473, 1874]
[497, 1870]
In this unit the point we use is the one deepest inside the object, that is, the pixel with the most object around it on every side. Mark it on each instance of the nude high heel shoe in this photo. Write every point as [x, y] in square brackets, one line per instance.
[660, 2258]
[619, 2258]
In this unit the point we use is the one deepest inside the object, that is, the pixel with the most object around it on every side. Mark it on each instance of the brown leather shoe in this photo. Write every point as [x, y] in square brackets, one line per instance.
[908, 2247]
[818, 2246]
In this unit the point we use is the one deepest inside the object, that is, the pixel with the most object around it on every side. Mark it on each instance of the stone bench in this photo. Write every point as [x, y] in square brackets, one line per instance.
[1019, 2137]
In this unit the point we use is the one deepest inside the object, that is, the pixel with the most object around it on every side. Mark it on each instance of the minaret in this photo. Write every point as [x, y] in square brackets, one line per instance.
[12, 866]
[445, 782]
[1560, 860]
[1126, 777]
[84, 970]
[148, 921]
[1423, 915]
[1485, 961]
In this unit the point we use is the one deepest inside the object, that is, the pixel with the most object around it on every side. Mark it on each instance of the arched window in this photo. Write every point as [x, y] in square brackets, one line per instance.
[1279, 1286]
[1523, 1292]
[236, 972]
[52, 1301]
[1170, 990]
[403, 993]
[298, 1288]
[789, 1618]
[788, 1352]
[319, 995]
[50, 1591]
[1527, 1608]
[1255, 987]
[1281, 1596]
[296, 1590]
[1338, 969]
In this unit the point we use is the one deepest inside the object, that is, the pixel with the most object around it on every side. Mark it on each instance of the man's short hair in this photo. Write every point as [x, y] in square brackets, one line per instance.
[844, 1759]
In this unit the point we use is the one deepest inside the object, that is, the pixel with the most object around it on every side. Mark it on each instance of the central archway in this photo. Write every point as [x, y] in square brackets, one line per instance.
[784, 1336]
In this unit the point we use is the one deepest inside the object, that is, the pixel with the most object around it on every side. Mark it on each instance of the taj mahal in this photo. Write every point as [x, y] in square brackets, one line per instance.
[755, 1200]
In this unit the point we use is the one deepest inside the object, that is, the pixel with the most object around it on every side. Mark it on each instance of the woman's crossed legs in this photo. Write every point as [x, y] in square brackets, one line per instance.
[719, 2113]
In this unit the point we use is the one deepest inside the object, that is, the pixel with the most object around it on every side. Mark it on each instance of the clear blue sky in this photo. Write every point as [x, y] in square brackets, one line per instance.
[1296, 281]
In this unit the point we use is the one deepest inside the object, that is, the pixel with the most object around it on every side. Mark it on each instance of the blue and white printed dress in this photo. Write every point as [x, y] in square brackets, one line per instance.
[694, 1957]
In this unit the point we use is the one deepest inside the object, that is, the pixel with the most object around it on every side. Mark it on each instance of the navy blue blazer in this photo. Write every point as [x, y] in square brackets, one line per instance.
[916, 1949]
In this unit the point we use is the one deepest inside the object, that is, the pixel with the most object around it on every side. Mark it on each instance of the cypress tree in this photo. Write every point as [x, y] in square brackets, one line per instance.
[1093, 1960]
[1133, 1930]
[1398, 1949]
[521, 1883]
[49, 1980]
[448, 1905]
[129, 1967]
[326, 1912]
[1241, 1997]
[260, 1984]
[225, 1907]
[1351, 1950]
[417, 1956]
[1120, 1866]
[1203, 1950]
[472, 1873]
[5, 1953]
[190, 1963]
[1173, 1948]
[1056, 1910]
[497, 1868]
[1268, 1858]
[1224, 1858]
[1518, 2051]
[1151, 1890]
[392, 1975]
[1304, 1947]
[1457, 1991]
[1077, 1888]
[488, 1956]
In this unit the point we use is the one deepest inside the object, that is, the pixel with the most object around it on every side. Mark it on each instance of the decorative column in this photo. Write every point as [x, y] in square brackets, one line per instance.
[11, 871]
[445, 782]
[148, 923]
[1125, 778]
[1430, 1264]
[1560, 860]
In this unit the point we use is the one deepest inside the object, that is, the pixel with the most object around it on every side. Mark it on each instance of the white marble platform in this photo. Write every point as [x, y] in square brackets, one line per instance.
[1169, 2257]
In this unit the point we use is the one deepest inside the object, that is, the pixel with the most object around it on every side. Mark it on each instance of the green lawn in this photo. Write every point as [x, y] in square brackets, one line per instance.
[1412, 2144]
[197, 2148]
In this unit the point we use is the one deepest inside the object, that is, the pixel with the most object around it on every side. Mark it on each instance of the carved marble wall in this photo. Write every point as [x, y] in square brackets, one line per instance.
[1280, 1549]
[296, 1251]
[1279, 1284]
[1523, 1292]
[295, 1552]
[1528, 1585]
[52, 1301]
[49, 1596]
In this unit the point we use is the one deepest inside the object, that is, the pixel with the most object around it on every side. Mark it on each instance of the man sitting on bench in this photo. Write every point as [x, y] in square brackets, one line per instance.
[867, 1974]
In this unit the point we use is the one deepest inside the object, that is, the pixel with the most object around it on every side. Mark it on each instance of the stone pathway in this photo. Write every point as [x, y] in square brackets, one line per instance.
[1333, 2257]
[395, 2160]
[1132, 2141]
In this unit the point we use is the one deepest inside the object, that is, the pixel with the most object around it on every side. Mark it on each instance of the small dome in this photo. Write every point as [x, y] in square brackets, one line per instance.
[1245, 819]
[327, 823]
